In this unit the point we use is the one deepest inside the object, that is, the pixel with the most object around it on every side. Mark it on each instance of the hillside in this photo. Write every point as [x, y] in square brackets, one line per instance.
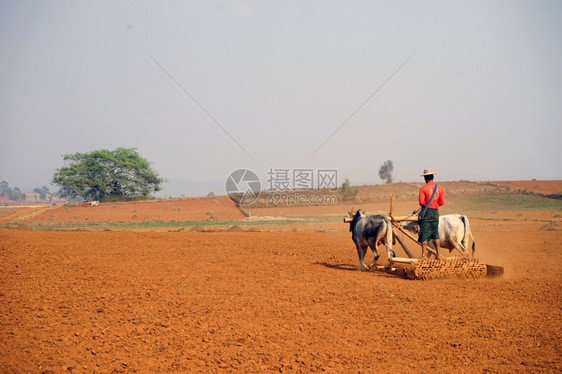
[547, 187]
[465, 197]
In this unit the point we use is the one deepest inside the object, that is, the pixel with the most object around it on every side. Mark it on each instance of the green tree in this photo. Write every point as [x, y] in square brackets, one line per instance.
[98, 175]
[45, 190]
[42, 192]
[5, 189]
[17, 195]
[12, 194]
[348, 192]
[386, 170]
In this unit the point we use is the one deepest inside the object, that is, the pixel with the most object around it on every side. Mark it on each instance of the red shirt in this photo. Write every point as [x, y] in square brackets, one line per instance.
[425, 194]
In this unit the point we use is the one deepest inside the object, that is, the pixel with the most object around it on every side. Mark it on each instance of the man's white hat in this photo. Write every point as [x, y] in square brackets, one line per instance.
[427, 172]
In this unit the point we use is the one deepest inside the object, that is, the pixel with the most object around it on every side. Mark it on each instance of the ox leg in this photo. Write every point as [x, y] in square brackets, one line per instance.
[375, 250]
[461, 248]
[388, 240]
[389, 252]
[361, 253]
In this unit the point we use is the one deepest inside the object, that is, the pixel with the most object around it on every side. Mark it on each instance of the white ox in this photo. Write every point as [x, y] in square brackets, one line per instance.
[454, 233]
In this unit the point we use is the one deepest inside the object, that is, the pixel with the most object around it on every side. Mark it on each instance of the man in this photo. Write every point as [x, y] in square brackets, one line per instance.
[431, 197]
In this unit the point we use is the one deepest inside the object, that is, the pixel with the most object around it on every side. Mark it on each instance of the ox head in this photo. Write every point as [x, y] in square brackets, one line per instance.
[411, 226]
[353, 217]
[349, 217]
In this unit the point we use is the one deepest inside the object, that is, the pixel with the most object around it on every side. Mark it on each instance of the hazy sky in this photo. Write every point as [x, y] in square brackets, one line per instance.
[472, 89]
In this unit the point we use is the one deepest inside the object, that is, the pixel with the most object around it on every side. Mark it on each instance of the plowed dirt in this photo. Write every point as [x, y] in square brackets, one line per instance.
[288, 298]
[120, 301]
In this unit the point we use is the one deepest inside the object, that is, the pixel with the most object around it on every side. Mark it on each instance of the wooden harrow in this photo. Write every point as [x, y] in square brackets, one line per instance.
[417, 268]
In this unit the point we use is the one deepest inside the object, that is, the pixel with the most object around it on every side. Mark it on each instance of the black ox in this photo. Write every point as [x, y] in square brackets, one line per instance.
[370, 231]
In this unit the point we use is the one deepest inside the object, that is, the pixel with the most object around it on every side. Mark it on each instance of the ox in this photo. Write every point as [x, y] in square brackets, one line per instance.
[370, 231]
[454, 233]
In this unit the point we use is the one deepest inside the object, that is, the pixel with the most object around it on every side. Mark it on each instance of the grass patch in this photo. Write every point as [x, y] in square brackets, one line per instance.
[505, 202]
[551, 226]
[156, 224]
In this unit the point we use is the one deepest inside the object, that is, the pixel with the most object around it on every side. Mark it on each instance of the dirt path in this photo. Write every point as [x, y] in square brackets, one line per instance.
[104, 302]
[13, 214]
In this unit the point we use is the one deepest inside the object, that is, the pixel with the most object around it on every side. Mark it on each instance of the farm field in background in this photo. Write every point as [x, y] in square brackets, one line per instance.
[142, 288]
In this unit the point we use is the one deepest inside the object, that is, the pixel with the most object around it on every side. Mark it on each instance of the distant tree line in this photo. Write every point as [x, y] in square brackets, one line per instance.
[42, 192]
[14, 194]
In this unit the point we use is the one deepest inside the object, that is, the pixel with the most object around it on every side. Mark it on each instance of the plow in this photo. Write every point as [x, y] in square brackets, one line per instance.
[426, 269]
[412, 267]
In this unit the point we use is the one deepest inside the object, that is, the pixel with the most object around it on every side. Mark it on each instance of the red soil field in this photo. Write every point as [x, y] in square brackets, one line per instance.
[120, 301]
[201, 209]
[289, 299]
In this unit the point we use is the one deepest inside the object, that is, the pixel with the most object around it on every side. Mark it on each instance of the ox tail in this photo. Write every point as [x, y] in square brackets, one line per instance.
[468, 234]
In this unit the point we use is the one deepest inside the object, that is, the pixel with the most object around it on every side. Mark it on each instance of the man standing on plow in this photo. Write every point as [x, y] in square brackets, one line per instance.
[431, 197]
